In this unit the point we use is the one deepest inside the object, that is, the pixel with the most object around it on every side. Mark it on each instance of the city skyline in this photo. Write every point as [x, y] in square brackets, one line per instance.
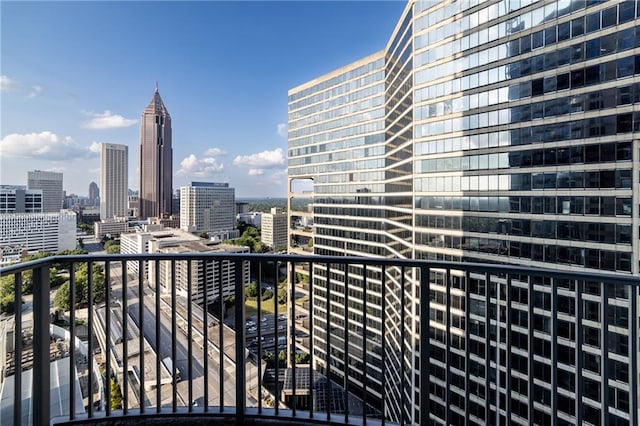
[61, 100]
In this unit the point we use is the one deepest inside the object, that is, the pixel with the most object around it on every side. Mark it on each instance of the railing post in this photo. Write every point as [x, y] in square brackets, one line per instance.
[241, 383]
[17, 366]
[41, 343]
[424, 345]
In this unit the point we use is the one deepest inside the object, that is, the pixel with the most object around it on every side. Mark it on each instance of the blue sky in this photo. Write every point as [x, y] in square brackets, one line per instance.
[76, 74]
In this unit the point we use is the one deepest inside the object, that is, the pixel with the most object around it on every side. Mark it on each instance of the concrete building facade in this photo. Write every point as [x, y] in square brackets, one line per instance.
[114, 179]
[274, 230]
[51, 185]
[18, 199]
[208, 207]
[213, 278]
[31, 233]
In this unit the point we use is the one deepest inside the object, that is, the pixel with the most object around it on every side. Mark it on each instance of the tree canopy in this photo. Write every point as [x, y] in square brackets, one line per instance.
[62, 298]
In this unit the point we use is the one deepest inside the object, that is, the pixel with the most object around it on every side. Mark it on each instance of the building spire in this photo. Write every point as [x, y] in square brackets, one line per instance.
[156, 87]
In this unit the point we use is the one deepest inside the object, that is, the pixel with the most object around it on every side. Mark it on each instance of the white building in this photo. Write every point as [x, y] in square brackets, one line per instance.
[138, 242]
[51, 185]
[251, 218]
[114, 181]
[36, 232]
[208, 207]
[215, 277]
[112, 227]
[274, 231]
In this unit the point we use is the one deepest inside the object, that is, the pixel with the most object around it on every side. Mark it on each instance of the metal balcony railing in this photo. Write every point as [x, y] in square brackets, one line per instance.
[426, 342]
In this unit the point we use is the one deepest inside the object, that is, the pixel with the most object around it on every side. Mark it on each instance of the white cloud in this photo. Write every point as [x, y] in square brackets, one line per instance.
[96, 147]
[44, 145]
[257, 163]
[213, 152]
[35, 91]
[7, 84]
[108, 120]
[205, 167]
[282, 129]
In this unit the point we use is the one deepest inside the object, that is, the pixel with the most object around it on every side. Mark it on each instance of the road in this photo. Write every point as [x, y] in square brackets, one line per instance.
[163, 347]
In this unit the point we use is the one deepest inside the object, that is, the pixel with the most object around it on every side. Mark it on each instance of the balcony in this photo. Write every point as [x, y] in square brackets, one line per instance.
[487, 330]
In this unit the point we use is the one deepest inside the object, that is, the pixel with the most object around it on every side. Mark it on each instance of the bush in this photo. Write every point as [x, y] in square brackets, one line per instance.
[252, 290]
[116, 395]
[282, 296]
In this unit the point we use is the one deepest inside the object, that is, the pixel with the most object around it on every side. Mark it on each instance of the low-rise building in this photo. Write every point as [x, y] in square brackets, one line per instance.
[211, 279]
[113, 227]
[29, 233]
[138, 242]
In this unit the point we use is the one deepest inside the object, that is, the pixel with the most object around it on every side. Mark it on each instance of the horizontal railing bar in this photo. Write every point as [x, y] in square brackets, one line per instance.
[481, 268]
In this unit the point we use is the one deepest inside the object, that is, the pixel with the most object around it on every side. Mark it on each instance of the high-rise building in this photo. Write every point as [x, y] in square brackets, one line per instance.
[51, 185]
[208, 207]
[485, 131]
[18, 199]
[94, 193]
[156, 160]
[274, 229]
[114, 179]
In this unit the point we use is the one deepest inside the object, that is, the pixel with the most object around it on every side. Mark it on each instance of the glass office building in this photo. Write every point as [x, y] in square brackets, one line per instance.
[485, 131]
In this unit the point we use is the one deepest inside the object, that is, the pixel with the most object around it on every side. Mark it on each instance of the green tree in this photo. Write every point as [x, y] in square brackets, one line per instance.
[62, 298]
[260, 247]
[204, 235]
[55, 279]
[116, 395]
[282, 296]
[252, 290]
[7, 294]
[282, 359]
[302, 358]
[85, 227]
[113, 248]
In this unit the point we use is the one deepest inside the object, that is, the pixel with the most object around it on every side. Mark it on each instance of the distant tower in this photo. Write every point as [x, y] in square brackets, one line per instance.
[94, 193]
[51, 185]
[156, 158]
[114, 175]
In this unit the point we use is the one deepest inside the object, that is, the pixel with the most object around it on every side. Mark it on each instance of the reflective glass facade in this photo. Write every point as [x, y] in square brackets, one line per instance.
[485, 131]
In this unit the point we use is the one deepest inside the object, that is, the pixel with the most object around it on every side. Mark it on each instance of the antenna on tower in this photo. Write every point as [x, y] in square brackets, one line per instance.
[156, 87]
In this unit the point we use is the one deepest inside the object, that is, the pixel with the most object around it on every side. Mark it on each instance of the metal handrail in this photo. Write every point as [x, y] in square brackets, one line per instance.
[238, 409]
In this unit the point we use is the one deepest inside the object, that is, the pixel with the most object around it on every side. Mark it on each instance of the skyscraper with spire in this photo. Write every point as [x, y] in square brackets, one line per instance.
[156, 160]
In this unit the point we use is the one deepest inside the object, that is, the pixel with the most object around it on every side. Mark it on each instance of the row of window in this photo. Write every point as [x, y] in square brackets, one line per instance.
[349, 75]
[574, 28]
[551, 60]
[597, 100]
[590, 154]
[608, 233]
[550, 132]
[601, 179]
[561, 205]
[343, 104]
